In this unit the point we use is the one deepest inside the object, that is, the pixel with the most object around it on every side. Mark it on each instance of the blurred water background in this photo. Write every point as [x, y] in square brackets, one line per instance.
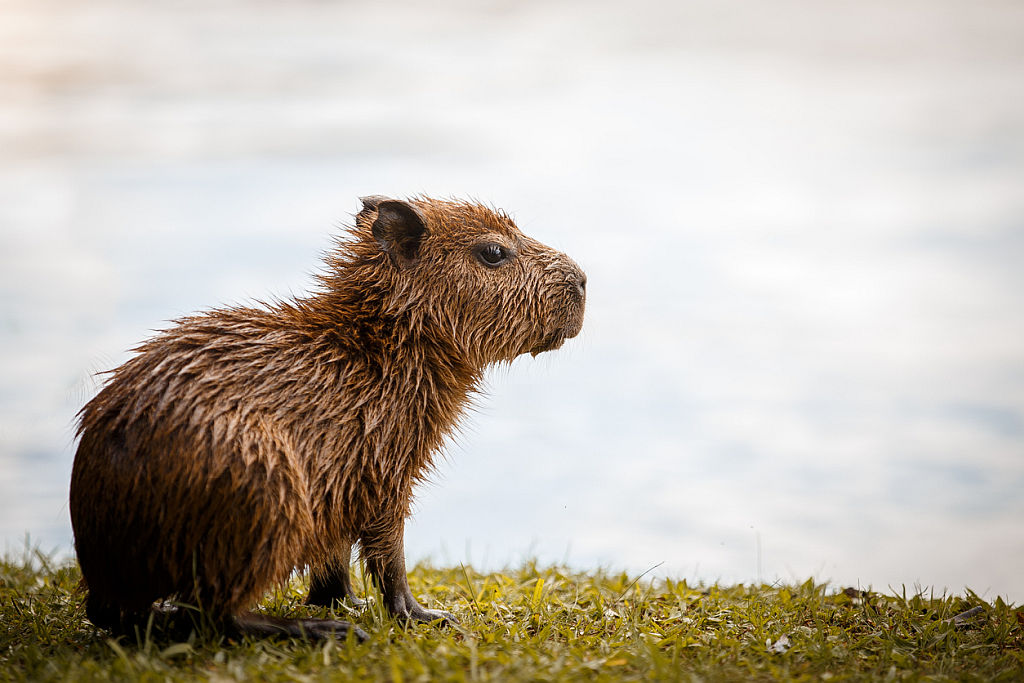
[803, 226]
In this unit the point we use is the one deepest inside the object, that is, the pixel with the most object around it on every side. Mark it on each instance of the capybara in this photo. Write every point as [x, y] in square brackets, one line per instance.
[244, 443]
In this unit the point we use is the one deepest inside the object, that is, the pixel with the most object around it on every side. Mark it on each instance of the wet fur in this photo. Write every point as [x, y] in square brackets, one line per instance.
[243, 443]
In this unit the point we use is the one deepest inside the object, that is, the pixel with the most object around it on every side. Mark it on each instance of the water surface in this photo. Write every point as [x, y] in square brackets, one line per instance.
[802, 225]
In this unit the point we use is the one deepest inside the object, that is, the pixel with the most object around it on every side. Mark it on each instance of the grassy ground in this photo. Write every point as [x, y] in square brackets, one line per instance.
[541, 624]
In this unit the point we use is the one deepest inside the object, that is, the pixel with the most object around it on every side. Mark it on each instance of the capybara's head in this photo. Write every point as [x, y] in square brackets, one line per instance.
[468, 273]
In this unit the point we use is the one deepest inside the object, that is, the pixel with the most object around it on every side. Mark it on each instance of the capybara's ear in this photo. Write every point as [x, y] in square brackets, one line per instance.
[369, 210]
[370, 202]
[399, 228]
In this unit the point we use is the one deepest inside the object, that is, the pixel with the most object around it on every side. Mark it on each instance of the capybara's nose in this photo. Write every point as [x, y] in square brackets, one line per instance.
[581, 282]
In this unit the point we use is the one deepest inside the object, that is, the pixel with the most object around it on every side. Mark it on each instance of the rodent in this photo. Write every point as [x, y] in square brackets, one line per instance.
[244, 443]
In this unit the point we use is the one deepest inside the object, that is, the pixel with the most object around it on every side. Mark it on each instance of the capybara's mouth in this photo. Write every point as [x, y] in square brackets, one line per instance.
[555, 339]
[574, 326]
[549, 343]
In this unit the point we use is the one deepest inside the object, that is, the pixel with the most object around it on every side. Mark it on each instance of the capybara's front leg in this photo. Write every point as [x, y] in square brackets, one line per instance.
[332, 584]
[385, 561]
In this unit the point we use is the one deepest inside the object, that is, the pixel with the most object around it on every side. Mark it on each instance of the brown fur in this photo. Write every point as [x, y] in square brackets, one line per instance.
[243, 443]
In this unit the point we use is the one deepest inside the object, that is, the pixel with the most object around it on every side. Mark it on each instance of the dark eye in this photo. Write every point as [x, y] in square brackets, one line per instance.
[492, 254]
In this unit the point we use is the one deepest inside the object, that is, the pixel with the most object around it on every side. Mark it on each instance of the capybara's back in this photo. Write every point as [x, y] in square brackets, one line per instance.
[243, 443]
[180, 488]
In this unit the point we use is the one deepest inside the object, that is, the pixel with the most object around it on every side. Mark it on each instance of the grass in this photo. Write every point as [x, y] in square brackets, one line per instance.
[539, 623]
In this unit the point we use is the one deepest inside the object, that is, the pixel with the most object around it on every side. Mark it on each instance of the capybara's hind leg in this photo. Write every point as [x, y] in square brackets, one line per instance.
[117, 619]
[102, 613]
[262, 626]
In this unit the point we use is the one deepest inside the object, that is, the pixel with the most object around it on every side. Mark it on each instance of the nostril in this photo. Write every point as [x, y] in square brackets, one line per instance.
[581, 282]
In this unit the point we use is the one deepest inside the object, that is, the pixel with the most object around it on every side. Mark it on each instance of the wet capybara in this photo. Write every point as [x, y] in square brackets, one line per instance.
[244, 443]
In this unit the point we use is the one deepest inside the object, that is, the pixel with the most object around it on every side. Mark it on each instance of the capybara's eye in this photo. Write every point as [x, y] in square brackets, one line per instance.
[492, 254]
